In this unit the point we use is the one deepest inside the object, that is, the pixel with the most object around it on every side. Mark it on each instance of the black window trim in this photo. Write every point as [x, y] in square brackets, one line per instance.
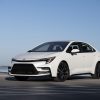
[80, 47]
[93, 50]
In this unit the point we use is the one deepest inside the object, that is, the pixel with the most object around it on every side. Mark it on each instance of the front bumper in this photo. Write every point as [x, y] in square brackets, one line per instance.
[29, 69]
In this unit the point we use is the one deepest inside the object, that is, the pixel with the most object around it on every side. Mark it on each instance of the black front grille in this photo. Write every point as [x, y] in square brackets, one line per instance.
[27, 69]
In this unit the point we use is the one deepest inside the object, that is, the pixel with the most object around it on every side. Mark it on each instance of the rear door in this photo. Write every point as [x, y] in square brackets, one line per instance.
[89, 54]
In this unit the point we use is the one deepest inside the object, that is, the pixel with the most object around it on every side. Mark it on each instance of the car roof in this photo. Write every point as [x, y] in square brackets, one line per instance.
[65, 41]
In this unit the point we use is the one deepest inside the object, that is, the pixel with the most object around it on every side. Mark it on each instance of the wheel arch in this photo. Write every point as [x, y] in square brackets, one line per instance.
[96, 66]
[66, 63]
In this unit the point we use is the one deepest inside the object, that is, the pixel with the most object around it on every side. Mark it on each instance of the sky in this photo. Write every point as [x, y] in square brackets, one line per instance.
[25, 24]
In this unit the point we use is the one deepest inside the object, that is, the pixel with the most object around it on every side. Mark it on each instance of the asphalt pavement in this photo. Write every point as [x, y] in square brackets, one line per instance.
[41, 88]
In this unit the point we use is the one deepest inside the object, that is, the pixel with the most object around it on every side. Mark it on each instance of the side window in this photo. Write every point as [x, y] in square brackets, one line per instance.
[86, 48]
[73, 46]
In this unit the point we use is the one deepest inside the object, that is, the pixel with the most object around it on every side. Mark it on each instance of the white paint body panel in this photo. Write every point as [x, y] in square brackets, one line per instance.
[78, 64]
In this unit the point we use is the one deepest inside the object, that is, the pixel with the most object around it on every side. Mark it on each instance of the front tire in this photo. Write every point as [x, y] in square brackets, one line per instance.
[21, 78]
[62, 72]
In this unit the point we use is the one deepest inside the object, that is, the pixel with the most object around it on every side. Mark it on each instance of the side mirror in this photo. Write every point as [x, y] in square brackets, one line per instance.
[74, 51]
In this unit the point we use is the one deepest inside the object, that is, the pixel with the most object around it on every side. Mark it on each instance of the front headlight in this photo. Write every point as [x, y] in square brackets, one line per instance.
[48, 60]
[13, 59]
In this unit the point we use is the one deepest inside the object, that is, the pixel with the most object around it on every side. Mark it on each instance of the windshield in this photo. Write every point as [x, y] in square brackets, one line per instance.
[50, 47]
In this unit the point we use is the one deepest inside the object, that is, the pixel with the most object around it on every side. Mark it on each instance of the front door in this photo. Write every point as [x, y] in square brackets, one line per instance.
[75, 61]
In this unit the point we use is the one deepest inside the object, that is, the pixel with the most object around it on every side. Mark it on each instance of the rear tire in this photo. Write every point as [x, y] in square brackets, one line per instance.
[97, 72]
[21, 78]
[62, 72]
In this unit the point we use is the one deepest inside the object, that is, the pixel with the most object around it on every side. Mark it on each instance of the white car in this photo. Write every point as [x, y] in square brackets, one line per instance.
[58, 59]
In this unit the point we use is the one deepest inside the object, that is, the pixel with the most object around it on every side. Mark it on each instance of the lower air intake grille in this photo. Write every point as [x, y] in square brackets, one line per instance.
[27, 69]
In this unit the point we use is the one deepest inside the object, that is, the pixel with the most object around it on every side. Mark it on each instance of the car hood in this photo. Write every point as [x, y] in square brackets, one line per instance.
[35, 55]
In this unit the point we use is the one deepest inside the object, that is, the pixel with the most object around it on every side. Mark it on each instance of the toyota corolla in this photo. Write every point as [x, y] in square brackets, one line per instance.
[59, 60]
